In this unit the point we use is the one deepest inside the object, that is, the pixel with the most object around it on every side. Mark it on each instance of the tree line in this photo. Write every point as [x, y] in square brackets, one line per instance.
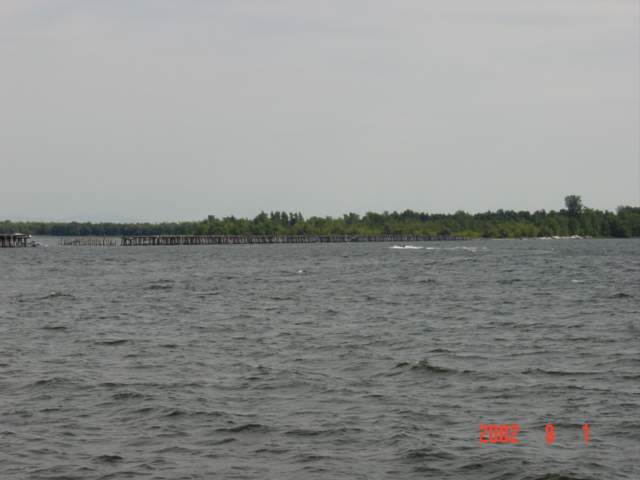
[574, 219]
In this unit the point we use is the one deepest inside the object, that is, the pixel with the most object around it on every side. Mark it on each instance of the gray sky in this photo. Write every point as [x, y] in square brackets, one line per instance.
[176, 109]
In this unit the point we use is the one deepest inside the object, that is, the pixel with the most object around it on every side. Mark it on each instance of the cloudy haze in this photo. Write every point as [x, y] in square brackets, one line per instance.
[177, 109]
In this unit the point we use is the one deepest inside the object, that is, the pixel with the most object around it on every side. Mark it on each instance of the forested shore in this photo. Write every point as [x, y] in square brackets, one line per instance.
[572, 220]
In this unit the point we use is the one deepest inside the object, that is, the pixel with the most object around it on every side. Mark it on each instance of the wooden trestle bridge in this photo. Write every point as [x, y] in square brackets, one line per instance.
[10, 240]
[149, 240]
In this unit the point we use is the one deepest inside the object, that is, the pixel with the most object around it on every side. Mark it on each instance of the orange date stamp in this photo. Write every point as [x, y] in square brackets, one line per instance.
[494, 433]
[508, 433]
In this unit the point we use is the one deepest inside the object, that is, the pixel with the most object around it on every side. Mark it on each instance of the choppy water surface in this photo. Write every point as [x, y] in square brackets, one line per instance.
[346, 361]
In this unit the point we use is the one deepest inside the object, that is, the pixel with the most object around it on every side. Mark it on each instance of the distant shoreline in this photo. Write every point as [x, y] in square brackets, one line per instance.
[575, 220]
[399, 241]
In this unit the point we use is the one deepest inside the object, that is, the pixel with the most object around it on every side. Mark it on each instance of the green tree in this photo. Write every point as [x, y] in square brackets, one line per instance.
[574, 205]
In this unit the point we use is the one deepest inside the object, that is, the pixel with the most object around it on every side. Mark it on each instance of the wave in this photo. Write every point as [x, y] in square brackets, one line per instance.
[530, 371]
[109, 458]
[557, 476]
[177, 412]
[121, 341]
[508, 281]
[128, 395]
[52, 383]
[406, 247]
[56, 295]
[424, 365]
[621, 295]
[222, 442]
[305, 432]
[247, 427]
[426, 453]
[272, 450]
[210, 293]
[163, 285]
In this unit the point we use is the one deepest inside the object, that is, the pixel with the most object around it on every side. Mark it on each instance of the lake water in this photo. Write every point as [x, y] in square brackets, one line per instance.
[328, 361]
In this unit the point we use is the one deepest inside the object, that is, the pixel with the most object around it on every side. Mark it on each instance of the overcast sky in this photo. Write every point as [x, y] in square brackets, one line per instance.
[177, 109]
